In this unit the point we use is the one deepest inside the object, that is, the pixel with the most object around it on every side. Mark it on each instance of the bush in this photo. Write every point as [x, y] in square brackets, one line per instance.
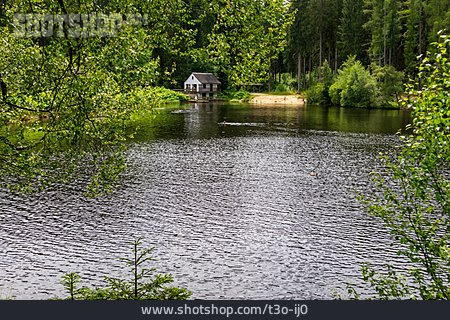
[414, 202]
[319, 92]
[240, 95]
[167, 95]
[354, 86]
[390, 82]
[283, 88]
[316, 94]
[141, 286]
[286, 85]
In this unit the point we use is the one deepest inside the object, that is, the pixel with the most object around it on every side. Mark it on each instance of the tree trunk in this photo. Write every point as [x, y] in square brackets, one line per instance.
[304, 72]
[420, 36]
[320, 36]
[335, 59]
[320, 48]
[390, 56]
[299, 72]
[420, 28]
[310, 63]
[384, 33]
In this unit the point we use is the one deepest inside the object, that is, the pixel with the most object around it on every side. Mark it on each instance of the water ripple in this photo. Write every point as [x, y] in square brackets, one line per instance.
[242, 217]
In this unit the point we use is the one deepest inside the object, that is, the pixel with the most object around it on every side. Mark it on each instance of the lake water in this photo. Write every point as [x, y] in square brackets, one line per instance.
[239, 202]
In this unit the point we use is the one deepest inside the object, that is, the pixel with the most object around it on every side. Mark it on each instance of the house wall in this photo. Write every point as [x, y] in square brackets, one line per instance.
[191, 81]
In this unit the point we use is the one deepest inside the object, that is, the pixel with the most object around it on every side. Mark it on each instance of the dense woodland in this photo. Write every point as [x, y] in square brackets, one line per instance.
[253, 41]
[385, 32]
[67, 95]
[388, 32]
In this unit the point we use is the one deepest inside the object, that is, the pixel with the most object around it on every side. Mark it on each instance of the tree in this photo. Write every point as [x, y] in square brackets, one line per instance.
[319, 94]
[143, 285]
[413, 201]
[384, 26]
[354, 86]
[390, 82]
[437, 15]
[67, 100]
[299, 39]
[247, 36]
[353, 39]
[414, 36]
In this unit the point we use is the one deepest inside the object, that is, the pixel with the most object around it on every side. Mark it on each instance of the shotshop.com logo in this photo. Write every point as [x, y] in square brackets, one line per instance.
[77, 25]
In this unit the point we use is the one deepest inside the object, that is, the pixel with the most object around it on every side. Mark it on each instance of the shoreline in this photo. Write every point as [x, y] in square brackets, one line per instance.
[272, 99]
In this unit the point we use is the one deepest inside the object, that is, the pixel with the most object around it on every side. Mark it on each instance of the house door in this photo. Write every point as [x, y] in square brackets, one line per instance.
[194, 87]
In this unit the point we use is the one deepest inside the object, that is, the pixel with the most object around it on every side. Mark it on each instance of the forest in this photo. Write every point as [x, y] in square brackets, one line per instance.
[386, 32]
[74, 74]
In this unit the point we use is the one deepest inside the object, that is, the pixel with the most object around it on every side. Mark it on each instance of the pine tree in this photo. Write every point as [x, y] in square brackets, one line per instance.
[353, 39]
[414, 34]
[437, 14]
[384, 26]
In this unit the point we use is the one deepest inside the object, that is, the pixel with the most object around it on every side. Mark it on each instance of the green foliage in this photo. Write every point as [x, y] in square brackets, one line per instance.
[414, 200]
[351, 32]
[390, 82]
[414, 37]
[68, 113]
[167, 95]
[437, 15]
[354, 86]
[66, 102]
[384, 26]
[144, 284]
[247, 36]
[239, 95]
[313, 35]
[387, 32]
[318, 94]
[70, 282]
[287, 84]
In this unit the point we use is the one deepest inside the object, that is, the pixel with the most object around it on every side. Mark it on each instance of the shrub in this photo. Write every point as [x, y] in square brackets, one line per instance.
[316, 94]
[414, 204]
[390, 82]
[286, 85]
[354, 86]
[167, 95]
[319, 92]
[144, 284]
[240, 95]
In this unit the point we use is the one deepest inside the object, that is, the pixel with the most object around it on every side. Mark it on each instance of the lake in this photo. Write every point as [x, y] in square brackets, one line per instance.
[255, 202]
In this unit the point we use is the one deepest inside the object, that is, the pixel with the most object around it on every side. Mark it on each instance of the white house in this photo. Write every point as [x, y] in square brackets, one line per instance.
[202, 85]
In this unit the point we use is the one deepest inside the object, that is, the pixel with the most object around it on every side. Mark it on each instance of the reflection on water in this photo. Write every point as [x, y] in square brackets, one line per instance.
[200, 120]
[226, 195]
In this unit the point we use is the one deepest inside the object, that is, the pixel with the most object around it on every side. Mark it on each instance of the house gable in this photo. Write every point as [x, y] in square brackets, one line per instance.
[201, 78]
[203, 85]
[192, 80]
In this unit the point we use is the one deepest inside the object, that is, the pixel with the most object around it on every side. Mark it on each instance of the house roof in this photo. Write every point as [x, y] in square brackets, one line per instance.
[206, 78]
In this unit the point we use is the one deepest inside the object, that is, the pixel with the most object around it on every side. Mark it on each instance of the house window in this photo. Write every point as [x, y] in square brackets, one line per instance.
[192, 77]
[188, 87]
[204, 86]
